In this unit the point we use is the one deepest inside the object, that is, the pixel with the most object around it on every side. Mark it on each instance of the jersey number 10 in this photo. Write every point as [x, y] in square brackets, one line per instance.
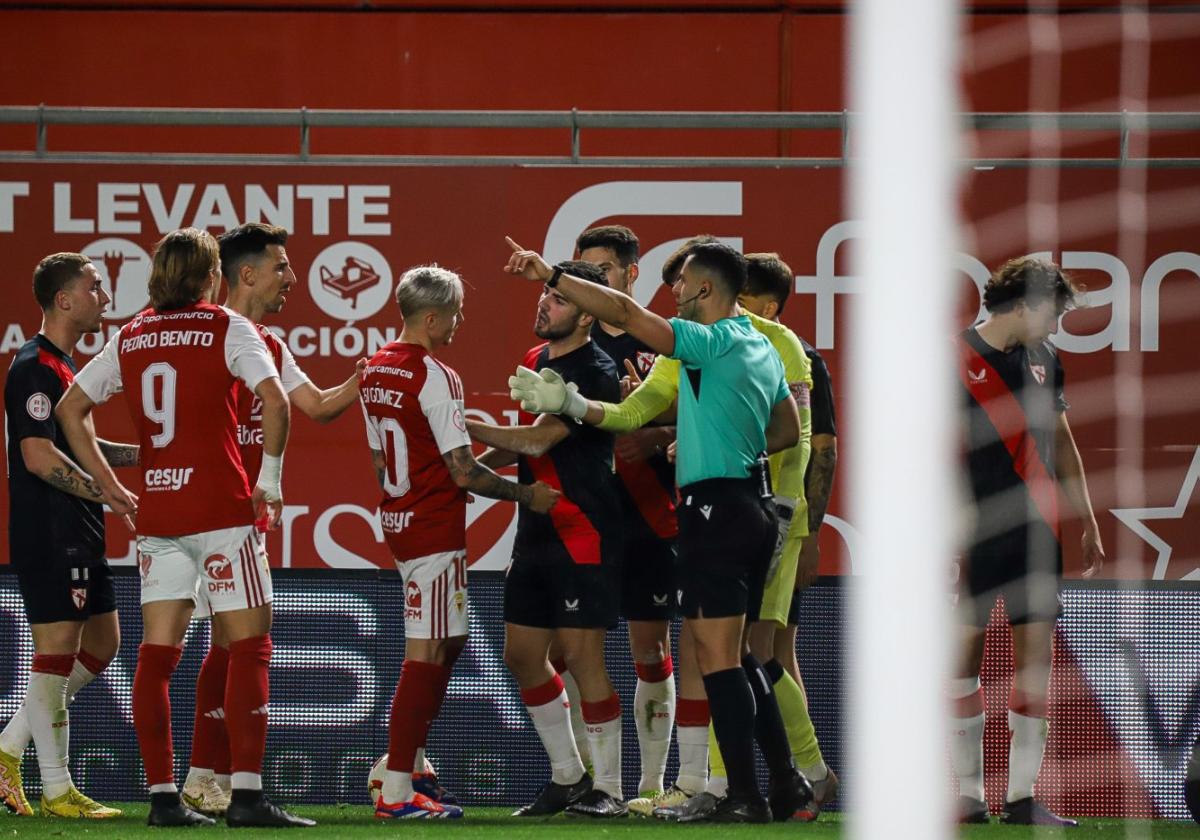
[395, 457]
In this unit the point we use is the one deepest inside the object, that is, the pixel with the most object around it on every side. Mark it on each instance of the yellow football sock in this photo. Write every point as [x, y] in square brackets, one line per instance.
[802, 737]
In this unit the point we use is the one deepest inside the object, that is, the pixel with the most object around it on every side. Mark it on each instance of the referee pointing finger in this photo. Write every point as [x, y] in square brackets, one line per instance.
[734, 403]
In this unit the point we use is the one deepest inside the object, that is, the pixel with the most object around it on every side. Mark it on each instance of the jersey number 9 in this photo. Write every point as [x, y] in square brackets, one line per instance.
[158, 401]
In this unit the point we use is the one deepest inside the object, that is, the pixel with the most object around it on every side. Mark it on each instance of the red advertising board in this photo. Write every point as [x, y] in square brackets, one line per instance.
[1130, 358]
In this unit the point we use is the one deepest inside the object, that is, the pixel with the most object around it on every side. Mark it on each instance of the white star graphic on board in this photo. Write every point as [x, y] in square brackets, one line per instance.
[1135, 519]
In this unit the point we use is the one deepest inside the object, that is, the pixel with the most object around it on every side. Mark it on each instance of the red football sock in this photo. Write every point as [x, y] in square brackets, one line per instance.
[152, 710]
[417, 701]
[246, 695]
[210, 738]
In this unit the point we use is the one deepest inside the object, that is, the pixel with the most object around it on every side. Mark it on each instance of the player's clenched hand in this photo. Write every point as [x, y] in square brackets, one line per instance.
[360, 369]
[528, 264]
[544, 497]
[672, 448]
[268, 508]
[637, 445]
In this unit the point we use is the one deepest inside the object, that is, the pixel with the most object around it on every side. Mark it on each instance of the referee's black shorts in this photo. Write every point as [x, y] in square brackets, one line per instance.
[727, 534]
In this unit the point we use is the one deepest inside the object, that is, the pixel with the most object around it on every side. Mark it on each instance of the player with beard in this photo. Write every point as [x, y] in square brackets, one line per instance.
[734, 403]
[647, 488]
[56, 540]
[254, 264]
[563, 585]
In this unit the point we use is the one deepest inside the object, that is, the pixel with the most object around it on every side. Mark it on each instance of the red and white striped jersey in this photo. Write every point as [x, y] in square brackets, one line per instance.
[177, 370]
[249, 406]
[413, 406]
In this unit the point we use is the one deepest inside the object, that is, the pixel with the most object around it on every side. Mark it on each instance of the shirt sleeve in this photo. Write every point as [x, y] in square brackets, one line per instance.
[650, 399]
[442, 402]
[30, 394]
[695, 343]
[101, 377]
[246, 354]
[290, 373]
[823, 419]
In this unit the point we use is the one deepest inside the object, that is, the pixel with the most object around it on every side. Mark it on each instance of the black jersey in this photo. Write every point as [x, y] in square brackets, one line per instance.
[586, 521]
[823, 419]
[45, 525]
[1013, 400]
[647, 487]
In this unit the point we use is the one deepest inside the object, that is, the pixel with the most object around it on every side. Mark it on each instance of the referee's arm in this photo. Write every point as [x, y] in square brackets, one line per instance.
[783, 430]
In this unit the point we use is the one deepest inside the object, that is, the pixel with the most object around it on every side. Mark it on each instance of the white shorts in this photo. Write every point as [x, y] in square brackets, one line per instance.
[218, 571]
[435, 595]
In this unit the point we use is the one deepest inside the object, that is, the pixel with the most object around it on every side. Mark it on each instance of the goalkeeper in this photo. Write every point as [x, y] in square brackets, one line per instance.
[734, 403]
[648, 401]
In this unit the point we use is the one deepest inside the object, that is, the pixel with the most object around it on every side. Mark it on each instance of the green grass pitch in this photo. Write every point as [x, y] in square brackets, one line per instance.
[336, 821]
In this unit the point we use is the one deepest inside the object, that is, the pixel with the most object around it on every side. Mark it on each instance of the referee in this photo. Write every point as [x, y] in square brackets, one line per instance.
[733, 404]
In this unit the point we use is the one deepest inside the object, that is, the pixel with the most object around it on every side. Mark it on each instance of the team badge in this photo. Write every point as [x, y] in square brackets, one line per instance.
[460, 601]
[38, 406]
[412, 601]
[144, 561]
[645, 360]
[1039, 373]
[219, 567]
[79, 596]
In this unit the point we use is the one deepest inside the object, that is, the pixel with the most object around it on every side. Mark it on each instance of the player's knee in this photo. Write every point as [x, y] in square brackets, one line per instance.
[520, 661]
[647, 651]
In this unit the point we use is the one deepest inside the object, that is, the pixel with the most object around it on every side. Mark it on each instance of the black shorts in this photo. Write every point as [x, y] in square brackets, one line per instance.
[726, 538]
[561, 593]
[648, 581]
[1002, 568]
[60, 593]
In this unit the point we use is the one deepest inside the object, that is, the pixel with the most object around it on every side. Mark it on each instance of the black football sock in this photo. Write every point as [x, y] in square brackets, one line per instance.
[769, 730]
[731, 704]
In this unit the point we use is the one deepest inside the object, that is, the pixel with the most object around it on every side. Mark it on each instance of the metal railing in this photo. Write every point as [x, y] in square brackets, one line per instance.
[573, 123]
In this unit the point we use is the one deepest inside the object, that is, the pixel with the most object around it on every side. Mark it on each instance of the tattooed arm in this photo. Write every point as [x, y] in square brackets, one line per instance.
[818, 485]
[379, 464]
[474, 477]
[119, 454]
[47, 462]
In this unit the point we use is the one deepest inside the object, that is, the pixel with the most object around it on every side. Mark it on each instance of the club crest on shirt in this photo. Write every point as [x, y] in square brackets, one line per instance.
[645, 360]
[1039, 373]
[38, 406]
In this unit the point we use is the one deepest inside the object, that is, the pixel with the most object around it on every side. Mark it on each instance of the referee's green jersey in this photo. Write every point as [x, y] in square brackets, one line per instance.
[729, 381]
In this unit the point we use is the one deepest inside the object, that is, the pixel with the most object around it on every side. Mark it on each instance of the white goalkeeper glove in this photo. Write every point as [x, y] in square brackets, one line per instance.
[785, 509]
[546, 393]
